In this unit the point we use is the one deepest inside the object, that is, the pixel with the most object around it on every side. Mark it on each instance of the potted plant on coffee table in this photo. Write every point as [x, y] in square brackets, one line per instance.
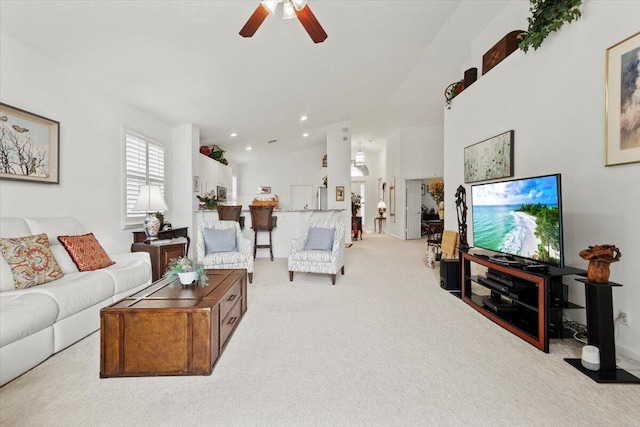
[187, 270]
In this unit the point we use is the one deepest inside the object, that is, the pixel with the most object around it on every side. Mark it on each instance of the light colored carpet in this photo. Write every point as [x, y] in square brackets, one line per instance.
[385, 346]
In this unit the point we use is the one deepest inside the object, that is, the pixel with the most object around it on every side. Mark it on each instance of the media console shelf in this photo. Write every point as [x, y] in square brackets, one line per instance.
[529, 304]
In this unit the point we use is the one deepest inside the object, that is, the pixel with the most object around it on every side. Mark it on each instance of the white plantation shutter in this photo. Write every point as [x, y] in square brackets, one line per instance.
[234, 189]
[144, 159]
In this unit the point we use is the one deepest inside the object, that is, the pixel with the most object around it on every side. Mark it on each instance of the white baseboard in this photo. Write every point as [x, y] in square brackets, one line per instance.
[621, 350]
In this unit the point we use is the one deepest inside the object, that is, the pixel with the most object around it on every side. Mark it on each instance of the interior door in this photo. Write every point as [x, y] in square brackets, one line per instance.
[413, 209]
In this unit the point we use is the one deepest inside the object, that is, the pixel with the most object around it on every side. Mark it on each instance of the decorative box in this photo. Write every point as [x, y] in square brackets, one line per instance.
[505, 47]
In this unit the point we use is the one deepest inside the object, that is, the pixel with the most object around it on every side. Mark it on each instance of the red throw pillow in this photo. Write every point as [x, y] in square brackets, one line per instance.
[86, 252]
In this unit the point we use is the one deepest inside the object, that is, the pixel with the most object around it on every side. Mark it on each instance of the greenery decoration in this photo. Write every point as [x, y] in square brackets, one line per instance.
[356, 203]
[436, 189]
[217, 154]
[546, 17]
[209, 200]
[186, 265]
[452, 91]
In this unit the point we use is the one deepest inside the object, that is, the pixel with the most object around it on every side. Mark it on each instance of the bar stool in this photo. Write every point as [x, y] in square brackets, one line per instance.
[230, 213]
[262, 219]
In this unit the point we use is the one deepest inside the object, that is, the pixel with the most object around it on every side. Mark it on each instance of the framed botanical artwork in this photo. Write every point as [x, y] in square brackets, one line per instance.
[392, 199]
[340, 193]
[622, 127]
[196, 184]
[489, 159]
[29, 146]
[264, 190]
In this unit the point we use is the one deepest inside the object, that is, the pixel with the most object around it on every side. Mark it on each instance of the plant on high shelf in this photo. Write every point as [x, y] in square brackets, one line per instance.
[208, 200]
[187, 270]
[546, 17]
[452, 91]
[436, 189]
[217, 154]
[356, 203]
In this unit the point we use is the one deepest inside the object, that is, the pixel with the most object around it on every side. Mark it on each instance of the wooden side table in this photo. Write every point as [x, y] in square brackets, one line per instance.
[161, 255]
[140, 236]
[378, 221]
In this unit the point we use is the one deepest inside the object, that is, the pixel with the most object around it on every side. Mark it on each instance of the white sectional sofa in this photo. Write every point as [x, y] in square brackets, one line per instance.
[39, 321]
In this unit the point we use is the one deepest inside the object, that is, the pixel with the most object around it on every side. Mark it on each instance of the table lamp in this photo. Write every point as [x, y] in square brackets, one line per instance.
[382, 207]
[150, 200]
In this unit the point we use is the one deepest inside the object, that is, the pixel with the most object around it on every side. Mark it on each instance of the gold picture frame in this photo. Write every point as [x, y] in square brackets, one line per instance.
[29, 146]
[340, 193]
[622, 130]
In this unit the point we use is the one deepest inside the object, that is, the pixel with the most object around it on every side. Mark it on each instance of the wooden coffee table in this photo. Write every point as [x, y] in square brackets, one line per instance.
[170, 329]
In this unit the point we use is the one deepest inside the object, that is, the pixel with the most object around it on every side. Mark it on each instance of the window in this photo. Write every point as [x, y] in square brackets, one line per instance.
[234, 189]
[144, 160]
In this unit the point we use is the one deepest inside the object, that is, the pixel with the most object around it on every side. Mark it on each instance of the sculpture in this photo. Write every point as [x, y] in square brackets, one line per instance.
[461, 209]
[600, 257]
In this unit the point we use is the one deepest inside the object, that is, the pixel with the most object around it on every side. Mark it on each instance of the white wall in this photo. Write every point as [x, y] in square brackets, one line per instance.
[553, 99]
[91, 155]
[185, 143]
[412, 153]
[302, 167]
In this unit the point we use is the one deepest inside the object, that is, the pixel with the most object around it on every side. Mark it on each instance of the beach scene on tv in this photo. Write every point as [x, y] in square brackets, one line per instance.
[520, 217]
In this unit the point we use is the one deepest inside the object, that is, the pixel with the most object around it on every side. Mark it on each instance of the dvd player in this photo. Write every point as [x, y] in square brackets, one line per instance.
[493, 284]
[499, 306]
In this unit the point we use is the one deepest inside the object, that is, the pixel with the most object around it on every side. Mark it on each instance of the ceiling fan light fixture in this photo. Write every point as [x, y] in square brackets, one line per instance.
[271, 5]
[288, 11]
[299, 4]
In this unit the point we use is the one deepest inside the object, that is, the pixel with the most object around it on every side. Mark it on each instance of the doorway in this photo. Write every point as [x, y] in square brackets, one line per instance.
[413, 209]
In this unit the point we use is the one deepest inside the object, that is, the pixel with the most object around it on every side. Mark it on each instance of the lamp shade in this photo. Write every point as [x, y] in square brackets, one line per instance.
[382, 205]
[150, 200]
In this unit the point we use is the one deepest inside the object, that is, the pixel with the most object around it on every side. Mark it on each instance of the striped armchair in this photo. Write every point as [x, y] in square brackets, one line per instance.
[242, 258]
[319, 261]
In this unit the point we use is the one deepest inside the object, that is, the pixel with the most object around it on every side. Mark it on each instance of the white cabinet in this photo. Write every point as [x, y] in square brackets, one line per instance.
[213, 174]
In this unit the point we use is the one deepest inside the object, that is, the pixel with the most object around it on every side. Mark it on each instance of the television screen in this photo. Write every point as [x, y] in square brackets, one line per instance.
[520, 217]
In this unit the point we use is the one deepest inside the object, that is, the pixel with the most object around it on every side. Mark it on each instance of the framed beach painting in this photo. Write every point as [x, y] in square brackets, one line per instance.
[29, 146]
[622, 123]
[489, 159]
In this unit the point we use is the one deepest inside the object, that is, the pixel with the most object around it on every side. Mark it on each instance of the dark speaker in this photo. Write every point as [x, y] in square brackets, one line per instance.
[450, 274]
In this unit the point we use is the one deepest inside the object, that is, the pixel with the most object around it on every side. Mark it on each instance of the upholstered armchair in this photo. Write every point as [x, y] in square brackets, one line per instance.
[321, 250]
[217, 247]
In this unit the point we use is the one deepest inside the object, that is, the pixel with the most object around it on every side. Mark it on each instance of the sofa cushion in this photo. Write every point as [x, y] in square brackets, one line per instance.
[311, 256]
[130, 270]
[216, 240]
[30, 259]
[320, 239]
[54, 227]
[86, 252]
[24, 314]
[75, 292]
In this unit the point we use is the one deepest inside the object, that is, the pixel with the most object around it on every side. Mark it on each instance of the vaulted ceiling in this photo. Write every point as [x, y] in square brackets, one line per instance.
[384, 65]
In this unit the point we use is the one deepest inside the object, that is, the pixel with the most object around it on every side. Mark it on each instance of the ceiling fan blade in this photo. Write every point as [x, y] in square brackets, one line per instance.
[254, 22]
[311, 24]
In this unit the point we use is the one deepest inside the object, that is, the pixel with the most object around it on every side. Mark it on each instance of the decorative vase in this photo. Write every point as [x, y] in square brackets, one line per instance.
[188, 278]
[441, 210]
[598, 271]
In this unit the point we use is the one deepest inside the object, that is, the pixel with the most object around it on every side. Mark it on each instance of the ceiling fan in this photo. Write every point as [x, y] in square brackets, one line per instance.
[290, 9]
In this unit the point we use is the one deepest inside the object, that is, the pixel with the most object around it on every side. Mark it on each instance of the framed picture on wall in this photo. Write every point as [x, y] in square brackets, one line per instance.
[196, 184]
[30, 146]
[392, 200]
[622, 108]
[489, 159]
[340, 193]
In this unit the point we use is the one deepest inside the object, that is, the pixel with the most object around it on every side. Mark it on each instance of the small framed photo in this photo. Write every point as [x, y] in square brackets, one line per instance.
[340, 193]
[30, 146]
[423, 189]
[196, 184]
[264, 190]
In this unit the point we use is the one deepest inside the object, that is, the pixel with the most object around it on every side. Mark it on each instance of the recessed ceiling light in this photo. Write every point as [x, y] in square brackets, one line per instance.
[303, 118]
[233, 134]
[304, 135]
[249, 148]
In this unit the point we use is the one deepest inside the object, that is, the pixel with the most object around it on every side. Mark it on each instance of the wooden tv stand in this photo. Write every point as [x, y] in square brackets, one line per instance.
[527, 303]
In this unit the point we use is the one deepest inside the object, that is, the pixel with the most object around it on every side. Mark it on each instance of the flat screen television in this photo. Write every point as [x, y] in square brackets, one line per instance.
[520, 218]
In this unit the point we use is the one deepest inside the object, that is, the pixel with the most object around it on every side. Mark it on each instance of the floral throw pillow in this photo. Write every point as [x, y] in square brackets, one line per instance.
[31, 260]
[86, 252]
